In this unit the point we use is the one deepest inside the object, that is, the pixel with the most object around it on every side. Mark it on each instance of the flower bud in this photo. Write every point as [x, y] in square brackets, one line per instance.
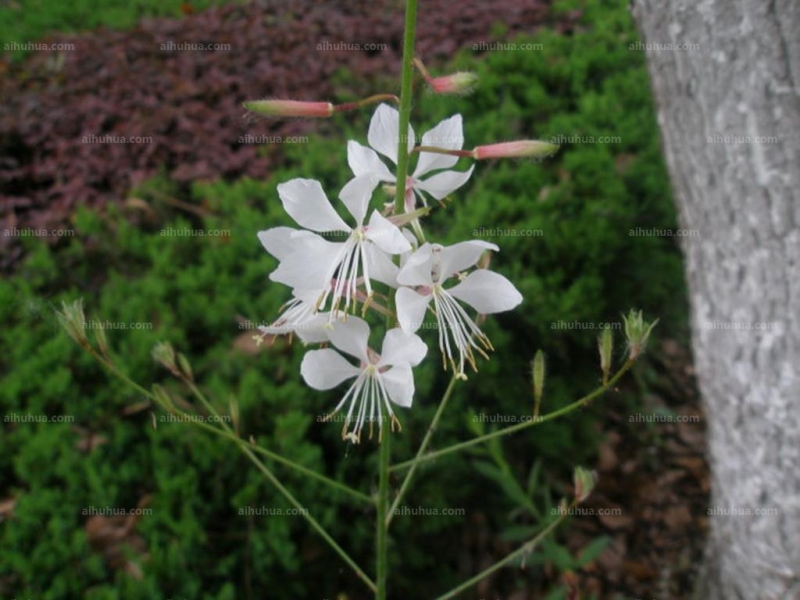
[72, 319]
[163, 398]
[538, 378]
[458, 83]
[186, 368]
[637, 331]
[584, 481]
[605, 344]
[519, 149]
[289, 108]
[163, 353]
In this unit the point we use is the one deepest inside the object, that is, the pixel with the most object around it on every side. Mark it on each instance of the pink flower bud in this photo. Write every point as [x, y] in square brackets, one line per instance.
[290, 108]
[514, 150]
[457, 83]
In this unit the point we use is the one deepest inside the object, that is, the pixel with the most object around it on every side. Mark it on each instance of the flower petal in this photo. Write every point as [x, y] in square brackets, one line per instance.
[351, 336]
[449, 135]
[399, 384]
[383, 132]
[461, 256]
[365, 161]
[356, 195]
[401, 347]
[445, 183]
[308, 205]
[311, 266]
[487, 292]
[411, 308]
[325, 369]
[386, 235]
[380, 266]
[417, 268]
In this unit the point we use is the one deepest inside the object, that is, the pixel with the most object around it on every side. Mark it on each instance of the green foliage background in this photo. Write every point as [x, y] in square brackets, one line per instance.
[584, 267]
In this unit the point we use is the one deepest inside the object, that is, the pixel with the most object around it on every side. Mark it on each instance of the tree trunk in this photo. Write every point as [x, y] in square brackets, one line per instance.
[740, 78]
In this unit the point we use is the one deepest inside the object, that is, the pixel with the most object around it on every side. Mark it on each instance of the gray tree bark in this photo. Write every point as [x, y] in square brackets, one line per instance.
[741, 193]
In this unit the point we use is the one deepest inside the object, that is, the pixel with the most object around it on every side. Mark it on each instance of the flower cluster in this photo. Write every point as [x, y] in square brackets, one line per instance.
[378, 260]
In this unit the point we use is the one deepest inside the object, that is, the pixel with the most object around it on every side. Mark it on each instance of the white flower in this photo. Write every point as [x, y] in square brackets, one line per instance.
[310, 262]
[380, 380]
[426, 271]
[383, 137]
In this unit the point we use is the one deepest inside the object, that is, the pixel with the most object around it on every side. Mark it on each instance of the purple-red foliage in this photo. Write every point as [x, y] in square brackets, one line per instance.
[190, 102]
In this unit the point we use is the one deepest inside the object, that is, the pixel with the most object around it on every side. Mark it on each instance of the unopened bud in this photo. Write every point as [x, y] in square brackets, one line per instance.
[186, 368]
[102, 342]
[72, 319]
[584, 481]
[163, 398]
[458, 83]
[289, 108]
[163, 353]
[233, 406]
[519, 149]
[637, 331]
[538, 378]
[605, 344]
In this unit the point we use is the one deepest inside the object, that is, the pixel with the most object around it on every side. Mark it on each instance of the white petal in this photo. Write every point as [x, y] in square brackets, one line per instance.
[276, 241]
[449, 135]
[401, 347]
[445, 183]
[487, 292]
[365, 161]
[325, 369]
[313, 330]
[356, 195]
[380, 265]
[351, 336]
[417, 268]
[462, 256]
[399, 384]
[386, 235]
[383, 132]
[310, 266]
[308, 205]
[411, 308]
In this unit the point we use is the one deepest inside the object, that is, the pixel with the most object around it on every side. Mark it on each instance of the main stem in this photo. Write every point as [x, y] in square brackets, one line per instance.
[402, 171]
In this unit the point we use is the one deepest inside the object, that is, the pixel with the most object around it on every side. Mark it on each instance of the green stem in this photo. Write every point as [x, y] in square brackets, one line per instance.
[515, 428]
[405, 103]
[383, 530]
[526, 548]
[248, 451]
[424, 446]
